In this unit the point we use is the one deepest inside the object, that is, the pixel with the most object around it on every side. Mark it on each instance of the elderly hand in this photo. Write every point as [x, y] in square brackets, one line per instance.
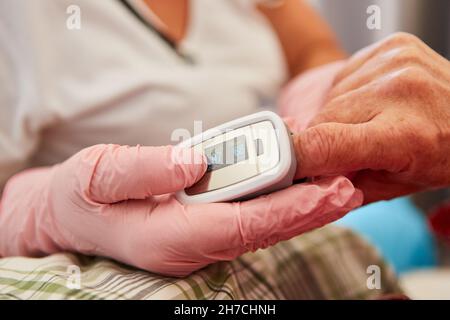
[118, 201]
[386, 118]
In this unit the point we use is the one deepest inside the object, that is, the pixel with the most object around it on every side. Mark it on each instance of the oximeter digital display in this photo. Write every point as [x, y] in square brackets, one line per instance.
[226, 153]
[246, 157]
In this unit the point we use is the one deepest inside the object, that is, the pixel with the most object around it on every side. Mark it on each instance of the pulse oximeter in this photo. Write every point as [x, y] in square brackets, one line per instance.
[247, 157]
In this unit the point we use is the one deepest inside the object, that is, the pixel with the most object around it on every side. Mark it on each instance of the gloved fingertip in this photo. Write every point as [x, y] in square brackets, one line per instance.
[192, 163]
[358, 198]
[348, 196]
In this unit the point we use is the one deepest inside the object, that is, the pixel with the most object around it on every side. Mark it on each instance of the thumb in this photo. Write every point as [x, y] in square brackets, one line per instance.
[336, 148]
[115, 173]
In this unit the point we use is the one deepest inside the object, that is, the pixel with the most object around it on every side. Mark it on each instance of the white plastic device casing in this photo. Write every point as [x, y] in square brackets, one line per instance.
[279, 176]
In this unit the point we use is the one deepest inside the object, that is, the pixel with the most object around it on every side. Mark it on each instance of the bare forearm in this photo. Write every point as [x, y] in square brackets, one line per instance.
[306, 39]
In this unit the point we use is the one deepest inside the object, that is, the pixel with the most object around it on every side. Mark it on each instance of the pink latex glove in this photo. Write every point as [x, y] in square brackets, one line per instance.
[116, 201]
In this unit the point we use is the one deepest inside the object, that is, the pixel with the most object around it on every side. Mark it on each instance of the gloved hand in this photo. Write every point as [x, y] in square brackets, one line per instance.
[117, 201]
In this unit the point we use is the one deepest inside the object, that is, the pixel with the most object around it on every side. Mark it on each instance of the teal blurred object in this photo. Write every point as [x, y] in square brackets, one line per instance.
[399, 230]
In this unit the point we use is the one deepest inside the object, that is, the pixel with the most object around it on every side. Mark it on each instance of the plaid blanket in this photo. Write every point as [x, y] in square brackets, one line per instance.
[329, 263]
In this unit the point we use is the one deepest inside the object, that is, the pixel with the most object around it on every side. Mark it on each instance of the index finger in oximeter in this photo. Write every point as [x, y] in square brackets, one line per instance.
[247, 157]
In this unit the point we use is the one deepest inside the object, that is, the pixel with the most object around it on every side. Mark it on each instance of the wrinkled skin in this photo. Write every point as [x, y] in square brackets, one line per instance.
[385, 117]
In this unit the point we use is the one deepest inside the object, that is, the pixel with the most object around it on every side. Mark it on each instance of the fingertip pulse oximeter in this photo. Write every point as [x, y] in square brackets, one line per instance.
[247, 157]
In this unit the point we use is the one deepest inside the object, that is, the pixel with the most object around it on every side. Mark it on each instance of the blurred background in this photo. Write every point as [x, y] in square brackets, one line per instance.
[428, 19]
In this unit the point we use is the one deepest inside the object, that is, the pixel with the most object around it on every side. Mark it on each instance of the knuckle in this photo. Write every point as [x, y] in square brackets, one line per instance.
[407, 82]
[86, 152]
[401, 38]
[91, 168]
[407, 55]
[89, 158]
[79, 170]
[409, 76]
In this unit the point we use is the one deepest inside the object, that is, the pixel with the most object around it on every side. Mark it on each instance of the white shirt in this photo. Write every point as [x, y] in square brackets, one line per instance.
[115, 81]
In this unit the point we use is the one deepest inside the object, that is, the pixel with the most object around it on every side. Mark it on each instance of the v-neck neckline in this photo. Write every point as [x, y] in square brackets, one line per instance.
[143, 12]
[162, 27]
